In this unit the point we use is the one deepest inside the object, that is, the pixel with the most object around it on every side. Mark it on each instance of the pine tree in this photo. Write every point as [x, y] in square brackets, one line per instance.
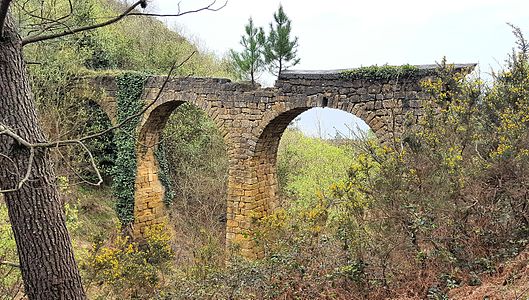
[250, 61]
[280, 51]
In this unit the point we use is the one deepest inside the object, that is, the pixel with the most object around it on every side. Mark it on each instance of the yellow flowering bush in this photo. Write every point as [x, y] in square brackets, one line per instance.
[128, 268]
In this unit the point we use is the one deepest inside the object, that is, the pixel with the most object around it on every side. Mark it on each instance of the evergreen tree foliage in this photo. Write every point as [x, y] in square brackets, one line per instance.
[249, 62]
[280, 49]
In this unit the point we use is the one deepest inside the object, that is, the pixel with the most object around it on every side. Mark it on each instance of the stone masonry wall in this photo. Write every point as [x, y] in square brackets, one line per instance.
[252, 121]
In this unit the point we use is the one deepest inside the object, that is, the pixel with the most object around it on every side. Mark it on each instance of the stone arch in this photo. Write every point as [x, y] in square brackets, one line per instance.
[149, 208]
[273, 127]
[253, 188]
[378, 116]
[97, 96]
[265, 157]
[253, 191]
[149, 191]
[252, 119]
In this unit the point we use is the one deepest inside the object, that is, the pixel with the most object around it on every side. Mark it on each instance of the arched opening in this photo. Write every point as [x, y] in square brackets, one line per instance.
[77, 118]
[293, 168]
[84, 202]
[331, 130]
[197, 166]
[103, 148]
[316, 151]
[181, 180]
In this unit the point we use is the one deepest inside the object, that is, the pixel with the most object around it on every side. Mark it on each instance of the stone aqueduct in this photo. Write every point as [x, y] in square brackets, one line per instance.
[252, 120]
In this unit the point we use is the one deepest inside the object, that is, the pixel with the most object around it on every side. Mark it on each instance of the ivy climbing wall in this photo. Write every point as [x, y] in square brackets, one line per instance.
[122, 98]
[128, 100]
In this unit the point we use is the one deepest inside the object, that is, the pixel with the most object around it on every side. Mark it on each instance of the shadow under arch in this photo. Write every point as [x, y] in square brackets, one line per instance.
[103, 148]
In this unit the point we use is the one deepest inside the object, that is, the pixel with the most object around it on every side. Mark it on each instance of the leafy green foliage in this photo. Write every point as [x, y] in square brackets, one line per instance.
[280, 49]
[135, 43]
[385, 72]
[307, 167]
[441, 211]
[103, 148]
[130, 88]
[66, 109]
[249, 62]
[442, 189]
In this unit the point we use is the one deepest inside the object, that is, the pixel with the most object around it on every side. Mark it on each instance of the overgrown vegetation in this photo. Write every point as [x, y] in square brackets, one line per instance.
[120, 268]
[443, 211]
[385, 72]
[358, 220]
[196, 152]
[56, 70]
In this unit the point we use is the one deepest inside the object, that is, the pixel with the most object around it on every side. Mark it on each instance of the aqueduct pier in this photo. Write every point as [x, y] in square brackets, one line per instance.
[252, 120]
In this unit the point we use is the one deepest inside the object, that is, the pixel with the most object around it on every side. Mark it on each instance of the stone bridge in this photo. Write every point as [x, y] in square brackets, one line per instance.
[252, 120]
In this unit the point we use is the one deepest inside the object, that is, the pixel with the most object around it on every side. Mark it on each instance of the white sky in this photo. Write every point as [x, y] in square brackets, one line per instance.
[338, 34]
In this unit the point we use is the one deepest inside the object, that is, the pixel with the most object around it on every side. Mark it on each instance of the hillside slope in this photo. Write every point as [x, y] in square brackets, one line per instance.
[510, 282]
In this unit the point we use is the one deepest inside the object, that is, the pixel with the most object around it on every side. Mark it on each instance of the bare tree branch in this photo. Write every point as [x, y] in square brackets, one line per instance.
[4, 7]
[4, 130]
[7, 131]
[128, 119]
[26, 176]
[49, 23]
[39, 38]
[94, 165]
[128, 12]
[179, 13]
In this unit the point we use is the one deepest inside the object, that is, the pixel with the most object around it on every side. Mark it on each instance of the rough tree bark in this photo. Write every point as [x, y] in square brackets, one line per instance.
[35, 211]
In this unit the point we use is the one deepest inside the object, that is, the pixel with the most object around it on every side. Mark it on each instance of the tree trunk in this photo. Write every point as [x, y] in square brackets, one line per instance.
[280, 67]
[44, 248]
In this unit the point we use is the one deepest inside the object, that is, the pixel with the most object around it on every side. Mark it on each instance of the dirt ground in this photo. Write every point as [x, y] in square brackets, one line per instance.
[510, 282]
